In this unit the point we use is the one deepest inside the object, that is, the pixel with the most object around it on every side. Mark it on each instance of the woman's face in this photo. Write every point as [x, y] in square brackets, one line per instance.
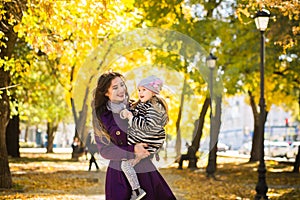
[144, 94]
[116, 91]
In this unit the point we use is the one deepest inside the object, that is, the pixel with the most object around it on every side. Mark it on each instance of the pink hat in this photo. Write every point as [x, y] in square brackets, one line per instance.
[152, 83]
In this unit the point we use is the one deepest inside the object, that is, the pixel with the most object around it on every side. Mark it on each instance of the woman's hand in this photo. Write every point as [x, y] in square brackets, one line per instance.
[140, 151]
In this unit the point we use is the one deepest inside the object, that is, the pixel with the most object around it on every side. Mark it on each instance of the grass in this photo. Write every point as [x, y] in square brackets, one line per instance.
[52, 176]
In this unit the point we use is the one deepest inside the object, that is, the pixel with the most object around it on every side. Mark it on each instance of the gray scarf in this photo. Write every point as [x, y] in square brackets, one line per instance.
[116, 107]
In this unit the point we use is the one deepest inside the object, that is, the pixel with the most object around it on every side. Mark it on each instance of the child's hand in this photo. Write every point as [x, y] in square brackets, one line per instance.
[126, 114]
[130, 115]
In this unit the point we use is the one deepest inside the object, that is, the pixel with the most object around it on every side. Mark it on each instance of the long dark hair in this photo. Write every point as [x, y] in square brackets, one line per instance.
[99, 102]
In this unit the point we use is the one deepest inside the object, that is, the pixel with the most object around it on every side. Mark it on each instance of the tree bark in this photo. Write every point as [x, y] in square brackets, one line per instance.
[51, 129]
[80, 122]
[12, 137]
[216, 124]
[5, 175]
[26, 132]
[199, 131]
[178, 133]
[13, 8]
[256, 145]
[255, 151]
[297, 162]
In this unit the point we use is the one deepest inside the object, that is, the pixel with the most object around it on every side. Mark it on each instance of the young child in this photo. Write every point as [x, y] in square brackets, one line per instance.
[147, 120]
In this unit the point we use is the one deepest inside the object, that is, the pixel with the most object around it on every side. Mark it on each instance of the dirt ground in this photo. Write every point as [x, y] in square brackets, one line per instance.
[56, 176]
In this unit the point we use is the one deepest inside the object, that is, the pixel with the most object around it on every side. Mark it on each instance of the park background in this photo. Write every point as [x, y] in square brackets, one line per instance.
[44, 45]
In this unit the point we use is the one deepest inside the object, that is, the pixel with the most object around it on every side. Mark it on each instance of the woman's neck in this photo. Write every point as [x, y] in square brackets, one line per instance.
[116, 107]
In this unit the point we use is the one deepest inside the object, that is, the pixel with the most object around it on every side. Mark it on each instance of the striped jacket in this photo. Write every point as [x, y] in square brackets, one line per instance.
[147, 126]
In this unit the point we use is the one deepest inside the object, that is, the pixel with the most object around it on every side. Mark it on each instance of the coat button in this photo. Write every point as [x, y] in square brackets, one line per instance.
[118, 133]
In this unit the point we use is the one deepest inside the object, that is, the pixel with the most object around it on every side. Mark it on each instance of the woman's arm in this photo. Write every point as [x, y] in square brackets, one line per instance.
[117, 148]
[111, 151]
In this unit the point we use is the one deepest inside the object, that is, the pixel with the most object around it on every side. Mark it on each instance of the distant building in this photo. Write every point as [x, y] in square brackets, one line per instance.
[238, 123]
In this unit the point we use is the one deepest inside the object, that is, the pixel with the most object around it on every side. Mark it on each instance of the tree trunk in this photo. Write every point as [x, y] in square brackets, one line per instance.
[12, 137]
[5, 175]
[178, 133]
[81, 125]
[26, 132]
[199, 131]
[256, 144]
[216, 124]
[297, 162]
[51, 130]
[80, 122]
[255, 151]
[13, 9]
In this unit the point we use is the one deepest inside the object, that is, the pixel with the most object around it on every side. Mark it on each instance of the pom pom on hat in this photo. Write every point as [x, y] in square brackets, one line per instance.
[152, 83]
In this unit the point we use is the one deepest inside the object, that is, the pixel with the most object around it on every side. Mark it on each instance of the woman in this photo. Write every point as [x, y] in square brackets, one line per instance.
[109, 99]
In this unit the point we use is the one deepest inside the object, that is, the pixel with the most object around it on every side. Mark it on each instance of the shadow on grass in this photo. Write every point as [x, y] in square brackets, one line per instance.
[235, 180]
[50, 184]
[293, 194]
[43, 158]
[238, 180]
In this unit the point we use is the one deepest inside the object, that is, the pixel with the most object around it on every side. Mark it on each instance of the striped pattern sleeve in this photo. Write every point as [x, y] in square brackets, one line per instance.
[149, 119]
[147, 126]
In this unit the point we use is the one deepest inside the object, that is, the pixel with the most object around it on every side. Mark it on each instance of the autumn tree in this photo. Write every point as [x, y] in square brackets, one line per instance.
[11, 14]
[67, 31]
[281, 60]
[49, 27]
[201, 26]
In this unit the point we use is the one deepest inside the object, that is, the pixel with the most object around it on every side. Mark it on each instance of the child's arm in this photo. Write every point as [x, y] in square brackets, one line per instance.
[152, 120]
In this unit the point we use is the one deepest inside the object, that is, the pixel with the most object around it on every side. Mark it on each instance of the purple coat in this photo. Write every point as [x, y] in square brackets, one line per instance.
[117, 187]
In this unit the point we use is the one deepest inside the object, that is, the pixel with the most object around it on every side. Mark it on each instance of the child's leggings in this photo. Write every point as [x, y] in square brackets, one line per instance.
[130, 174]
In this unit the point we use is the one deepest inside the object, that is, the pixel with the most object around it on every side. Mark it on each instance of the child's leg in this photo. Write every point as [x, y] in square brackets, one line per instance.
[127, 168]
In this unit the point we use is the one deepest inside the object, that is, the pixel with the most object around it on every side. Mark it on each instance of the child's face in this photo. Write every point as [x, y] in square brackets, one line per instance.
[145, 94]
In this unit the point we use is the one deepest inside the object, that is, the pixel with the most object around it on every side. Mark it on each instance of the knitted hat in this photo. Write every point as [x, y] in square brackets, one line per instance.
[152, 83]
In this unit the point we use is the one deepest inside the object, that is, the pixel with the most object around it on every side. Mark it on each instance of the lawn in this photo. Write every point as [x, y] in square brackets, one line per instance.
[56, 176]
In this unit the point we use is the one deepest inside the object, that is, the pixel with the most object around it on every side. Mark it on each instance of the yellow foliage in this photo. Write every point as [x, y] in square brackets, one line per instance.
[67, 31]
[287, 8]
